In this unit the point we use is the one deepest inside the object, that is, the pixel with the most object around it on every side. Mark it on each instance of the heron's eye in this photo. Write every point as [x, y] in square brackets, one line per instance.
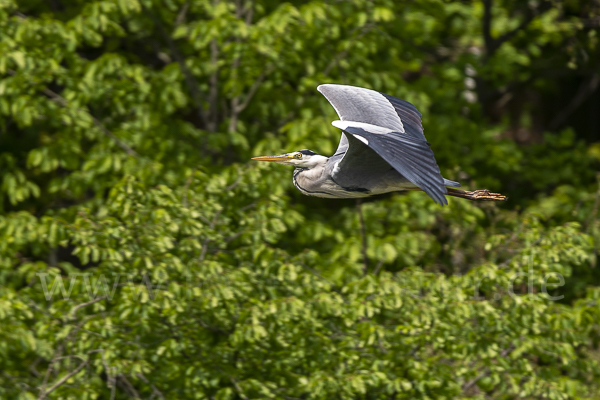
[298, 155]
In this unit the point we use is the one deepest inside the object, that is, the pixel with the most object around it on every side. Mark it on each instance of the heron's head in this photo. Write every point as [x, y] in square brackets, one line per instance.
[301, 159]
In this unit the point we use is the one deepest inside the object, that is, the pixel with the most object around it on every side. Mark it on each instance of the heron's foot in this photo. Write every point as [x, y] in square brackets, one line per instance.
[484, 194]
[481, 194]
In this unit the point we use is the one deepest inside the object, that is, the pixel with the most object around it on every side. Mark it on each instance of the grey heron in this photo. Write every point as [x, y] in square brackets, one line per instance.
[382, 149]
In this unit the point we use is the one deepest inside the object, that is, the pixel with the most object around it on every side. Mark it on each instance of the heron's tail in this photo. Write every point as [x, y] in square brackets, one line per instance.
[481, 194]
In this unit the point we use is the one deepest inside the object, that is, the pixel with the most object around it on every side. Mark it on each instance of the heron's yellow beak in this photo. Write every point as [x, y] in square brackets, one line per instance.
[283, 158]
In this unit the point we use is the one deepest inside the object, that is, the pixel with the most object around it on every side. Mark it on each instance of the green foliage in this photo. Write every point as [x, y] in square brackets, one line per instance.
[142, 256]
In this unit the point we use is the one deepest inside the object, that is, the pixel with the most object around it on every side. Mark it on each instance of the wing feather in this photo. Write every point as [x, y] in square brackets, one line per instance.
[410, 156]
[409, 114]
[392, 128]
[362, 105]
[369, 106]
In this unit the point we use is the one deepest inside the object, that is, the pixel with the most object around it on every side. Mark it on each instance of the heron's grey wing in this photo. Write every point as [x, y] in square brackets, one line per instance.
[356, 166]
[371, 107]
[342, 147]
[410, 156]
[409, 115]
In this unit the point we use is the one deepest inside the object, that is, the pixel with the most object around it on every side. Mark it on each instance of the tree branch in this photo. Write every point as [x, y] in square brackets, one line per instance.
[63, 102]
[378, 267]
[155, 391]
[213, 96]
[363, 235]
[364, 30]
[193, 86]
[128, 386]
[238, 388]
[473, 381]
[207, 240]
[181, 15]
[491, 44]
[111, 378]
[45, 393]
[213, 116]
[240, 107]
[77, 307]
[487, 26]
[485, 373]
[236, 108]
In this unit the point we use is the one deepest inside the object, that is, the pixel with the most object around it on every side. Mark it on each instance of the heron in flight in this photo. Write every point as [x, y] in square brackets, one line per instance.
[382, 149]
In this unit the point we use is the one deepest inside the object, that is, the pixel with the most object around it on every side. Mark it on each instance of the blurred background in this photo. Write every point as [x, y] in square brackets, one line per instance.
[142, 255]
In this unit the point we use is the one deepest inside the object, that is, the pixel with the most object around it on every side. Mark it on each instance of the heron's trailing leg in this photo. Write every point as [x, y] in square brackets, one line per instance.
[481, 194]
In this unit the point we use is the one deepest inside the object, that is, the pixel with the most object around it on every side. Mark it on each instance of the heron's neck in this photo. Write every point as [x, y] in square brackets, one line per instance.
[308, 180]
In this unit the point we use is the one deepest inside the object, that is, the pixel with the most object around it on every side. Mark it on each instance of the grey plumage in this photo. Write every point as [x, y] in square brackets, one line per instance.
[382, 149]
[362, 105]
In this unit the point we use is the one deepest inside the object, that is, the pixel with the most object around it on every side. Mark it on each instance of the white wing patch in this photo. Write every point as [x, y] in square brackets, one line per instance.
[379, 130]
[362, 139]
[336, 167]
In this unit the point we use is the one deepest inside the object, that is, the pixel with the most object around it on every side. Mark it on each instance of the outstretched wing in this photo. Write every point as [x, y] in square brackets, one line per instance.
[357, 165]
[365, 105]
[392, 128]
[408, 155]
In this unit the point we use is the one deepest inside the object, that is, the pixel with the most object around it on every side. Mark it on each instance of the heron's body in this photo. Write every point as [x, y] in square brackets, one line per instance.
[376, 179]
[382, 149]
